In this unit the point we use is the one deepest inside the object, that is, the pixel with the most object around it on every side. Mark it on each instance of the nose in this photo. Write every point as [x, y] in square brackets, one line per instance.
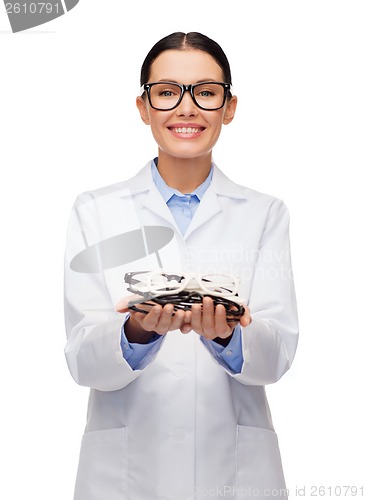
[187, 107]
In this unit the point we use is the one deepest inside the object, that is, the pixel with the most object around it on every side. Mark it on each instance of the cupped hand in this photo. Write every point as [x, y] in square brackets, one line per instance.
[158, 319]
[205, 319]
[210, 321]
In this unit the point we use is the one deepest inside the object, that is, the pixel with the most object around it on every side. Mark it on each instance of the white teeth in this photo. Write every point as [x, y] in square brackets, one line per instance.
[186, 130]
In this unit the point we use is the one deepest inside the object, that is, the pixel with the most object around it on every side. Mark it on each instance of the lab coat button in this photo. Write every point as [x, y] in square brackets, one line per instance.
[178, 370]
[179, 435]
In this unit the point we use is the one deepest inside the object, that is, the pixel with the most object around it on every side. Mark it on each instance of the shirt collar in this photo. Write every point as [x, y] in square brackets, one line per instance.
[167, 192]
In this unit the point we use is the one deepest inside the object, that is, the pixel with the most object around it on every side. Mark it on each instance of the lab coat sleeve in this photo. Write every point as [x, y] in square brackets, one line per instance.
[137, 354]
[269, 342]
[93, 328]
[231, 356]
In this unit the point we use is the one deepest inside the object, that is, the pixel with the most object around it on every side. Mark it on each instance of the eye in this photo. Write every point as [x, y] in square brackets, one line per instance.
[206, 93]
[166, 93]
[164, 90]
[208, 90]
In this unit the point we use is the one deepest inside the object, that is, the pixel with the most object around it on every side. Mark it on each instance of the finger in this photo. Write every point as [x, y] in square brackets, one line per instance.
[186, 326]
[222, 329]
[187, 316]
[122, 305]
[196, 318]
[138, 320]
[151, 319]
[246, 319]
[165, 319]
[208, 319]
[137, 316]
[177, 320]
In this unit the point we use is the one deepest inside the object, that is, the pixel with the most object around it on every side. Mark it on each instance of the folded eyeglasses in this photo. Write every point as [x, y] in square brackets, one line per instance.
[184, 290]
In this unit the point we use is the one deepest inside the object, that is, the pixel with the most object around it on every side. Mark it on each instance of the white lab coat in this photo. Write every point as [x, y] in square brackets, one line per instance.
[182, 426]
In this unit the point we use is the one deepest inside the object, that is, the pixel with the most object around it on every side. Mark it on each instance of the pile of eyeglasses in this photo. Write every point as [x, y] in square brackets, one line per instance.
[184, 290]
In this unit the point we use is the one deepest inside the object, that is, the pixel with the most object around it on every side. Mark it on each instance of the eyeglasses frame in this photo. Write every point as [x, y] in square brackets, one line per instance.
[185, 300]
[183, 283]
[186, 88]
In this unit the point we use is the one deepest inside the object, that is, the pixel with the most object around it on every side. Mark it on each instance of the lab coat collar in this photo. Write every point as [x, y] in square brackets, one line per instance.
[209, 206]
[221, 184]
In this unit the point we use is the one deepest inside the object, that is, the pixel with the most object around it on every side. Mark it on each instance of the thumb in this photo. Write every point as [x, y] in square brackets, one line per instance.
[246, 319]
[122, 304]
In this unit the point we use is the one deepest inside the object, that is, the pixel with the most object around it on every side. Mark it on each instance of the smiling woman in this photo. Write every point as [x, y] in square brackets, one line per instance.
[186, 133]
[177, 401]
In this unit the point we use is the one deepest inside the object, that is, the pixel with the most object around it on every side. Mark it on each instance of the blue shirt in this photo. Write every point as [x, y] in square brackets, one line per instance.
[183, 207]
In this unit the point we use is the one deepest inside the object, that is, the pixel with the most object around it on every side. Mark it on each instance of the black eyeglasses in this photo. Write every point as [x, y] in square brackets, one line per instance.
[164, 96]
[182, 291]
[184, 300]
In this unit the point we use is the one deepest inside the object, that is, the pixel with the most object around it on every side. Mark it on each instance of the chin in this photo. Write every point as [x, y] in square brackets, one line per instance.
[186, 152]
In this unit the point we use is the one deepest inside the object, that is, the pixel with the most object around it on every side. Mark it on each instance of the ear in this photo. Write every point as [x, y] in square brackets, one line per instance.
[143, 110]
[230, 110]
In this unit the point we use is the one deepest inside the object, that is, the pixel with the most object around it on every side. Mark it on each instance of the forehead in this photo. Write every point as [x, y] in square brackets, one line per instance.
[185, 66]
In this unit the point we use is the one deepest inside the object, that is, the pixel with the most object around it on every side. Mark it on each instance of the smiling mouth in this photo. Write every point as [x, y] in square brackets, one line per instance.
[186, 130]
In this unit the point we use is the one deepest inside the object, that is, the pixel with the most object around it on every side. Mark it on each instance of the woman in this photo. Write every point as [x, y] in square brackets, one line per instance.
[177, 406]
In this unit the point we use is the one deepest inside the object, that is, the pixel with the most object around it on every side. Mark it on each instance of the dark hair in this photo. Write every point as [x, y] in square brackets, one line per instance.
[182, 41]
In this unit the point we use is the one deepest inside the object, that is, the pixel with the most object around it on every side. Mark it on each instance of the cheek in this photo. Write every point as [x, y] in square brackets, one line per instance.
[157, 121]
[157, 129]
[216, 119]
[216, 127]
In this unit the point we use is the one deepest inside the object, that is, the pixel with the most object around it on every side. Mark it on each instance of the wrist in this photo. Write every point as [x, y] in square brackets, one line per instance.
[135, 333]
[223, 342]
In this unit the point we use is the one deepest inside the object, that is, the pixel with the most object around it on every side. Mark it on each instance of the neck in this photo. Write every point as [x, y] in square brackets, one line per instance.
[184, 174]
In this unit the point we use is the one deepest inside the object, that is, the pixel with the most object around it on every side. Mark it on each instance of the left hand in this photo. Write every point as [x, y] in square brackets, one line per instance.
[211, 322]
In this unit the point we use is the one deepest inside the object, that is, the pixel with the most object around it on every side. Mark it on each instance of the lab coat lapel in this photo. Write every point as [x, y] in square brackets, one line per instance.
[208, 207]
[155, 203]
[211, 205]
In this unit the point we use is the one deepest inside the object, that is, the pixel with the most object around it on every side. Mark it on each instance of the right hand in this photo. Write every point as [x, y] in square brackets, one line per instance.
[158, 320]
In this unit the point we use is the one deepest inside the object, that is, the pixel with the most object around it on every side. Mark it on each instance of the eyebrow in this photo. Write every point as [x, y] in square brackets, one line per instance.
[175, 81]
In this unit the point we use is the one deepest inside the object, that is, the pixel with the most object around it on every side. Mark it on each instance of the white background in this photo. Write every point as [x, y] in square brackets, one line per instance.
[68, 123]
